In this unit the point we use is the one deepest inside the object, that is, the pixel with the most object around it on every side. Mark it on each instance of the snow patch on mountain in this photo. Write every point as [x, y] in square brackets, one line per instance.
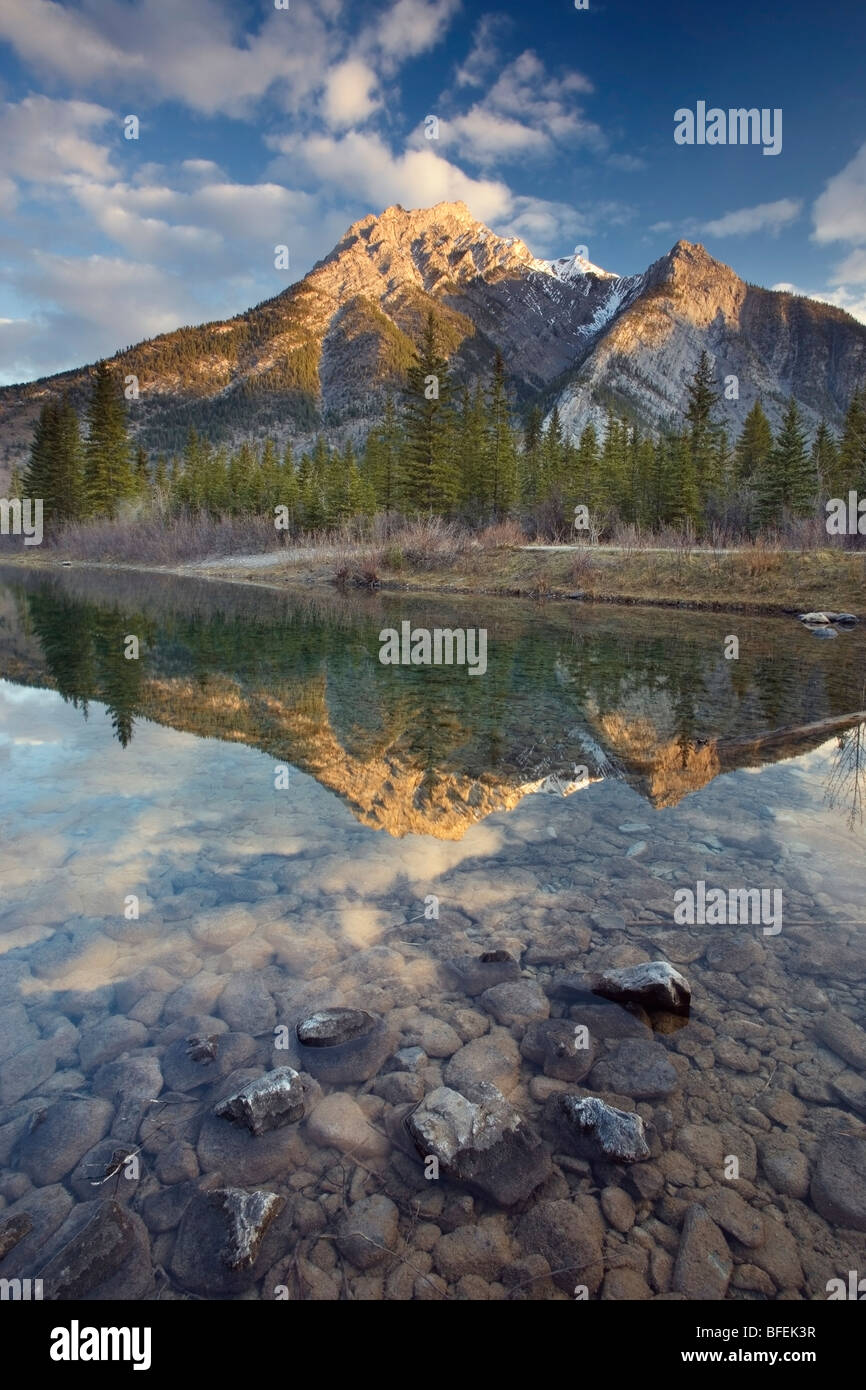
[573, 268]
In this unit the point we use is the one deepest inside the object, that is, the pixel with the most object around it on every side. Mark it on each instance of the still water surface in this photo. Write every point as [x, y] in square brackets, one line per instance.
[256, 820]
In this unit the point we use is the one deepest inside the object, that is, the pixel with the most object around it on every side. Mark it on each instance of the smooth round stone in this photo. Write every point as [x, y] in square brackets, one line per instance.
[839, 1183]
[340, 1045]
[331, 1027]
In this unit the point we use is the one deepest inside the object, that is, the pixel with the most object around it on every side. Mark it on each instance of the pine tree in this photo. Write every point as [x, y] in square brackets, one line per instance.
[289, 491]
[382, 459]
[471, 427]
[243, 480]
[552, 456]
[702, 430]
[658, 482]
[36, 480]
[531, 482]
[753, 447]
[586, 490]
[108, 477]
[684, 505]
[789, 483]
[500, 453]
[141, 472]
[825, 459]
[54, 471]
[852, 448]
[614, 465]
[429, 482]
[268, 480]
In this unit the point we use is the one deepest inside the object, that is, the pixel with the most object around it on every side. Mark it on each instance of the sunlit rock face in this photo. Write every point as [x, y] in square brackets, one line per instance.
[327, 352]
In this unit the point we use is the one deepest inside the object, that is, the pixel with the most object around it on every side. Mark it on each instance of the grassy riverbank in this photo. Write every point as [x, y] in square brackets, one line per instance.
[793, 572]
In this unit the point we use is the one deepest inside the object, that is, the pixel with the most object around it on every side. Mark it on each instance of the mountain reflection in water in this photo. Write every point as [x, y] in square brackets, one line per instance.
[646, 695]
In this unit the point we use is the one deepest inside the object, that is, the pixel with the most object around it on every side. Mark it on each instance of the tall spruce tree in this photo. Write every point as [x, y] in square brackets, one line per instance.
[531, 483]
[702, 430]
[825, 458]
[789, 483]
[429, 482]
[852, 447]
[382, 459]
[500, 454]
[55, 469]
[586, 490]
[753, 447]
[108, 477]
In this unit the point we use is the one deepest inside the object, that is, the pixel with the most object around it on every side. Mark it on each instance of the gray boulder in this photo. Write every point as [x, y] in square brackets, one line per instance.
[278, 1098]
[481, 1142]
[592, 1129]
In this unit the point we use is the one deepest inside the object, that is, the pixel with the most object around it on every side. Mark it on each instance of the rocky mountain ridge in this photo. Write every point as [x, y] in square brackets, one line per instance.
[326, 352]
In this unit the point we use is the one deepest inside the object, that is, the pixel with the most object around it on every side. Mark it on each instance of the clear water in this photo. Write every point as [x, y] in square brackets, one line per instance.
[154, 785]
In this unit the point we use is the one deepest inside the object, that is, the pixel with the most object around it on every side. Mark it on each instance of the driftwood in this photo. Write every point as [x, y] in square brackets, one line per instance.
[731, 751]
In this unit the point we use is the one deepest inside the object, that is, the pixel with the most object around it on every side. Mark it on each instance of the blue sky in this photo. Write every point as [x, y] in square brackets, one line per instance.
[261, 127]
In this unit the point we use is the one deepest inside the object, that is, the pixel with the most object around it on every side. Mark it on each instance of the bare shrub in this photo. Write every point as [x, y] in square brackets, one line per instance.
[582, 568]
[501, 535]
[159, 540]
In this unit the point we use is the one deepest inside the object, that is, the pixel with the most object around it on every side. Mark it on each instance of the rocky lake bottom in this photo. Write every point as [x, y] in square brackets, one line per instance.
[256, 1043]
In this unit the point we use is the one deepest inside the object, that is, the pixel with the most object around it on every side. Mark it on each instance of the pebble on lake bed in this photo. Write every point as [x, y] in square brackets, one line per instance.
[275, 1099]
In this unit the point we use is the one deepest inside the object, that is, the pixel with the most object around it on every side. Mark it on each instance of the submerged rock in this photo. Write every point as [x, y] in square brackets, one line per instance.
[278, 1098]
[554, 1044]
[338, 1122]
[570, 1236]
[655, 986]
[839, 1183]
[592, 1129]
[61, 1135]
[42, 1210]
[516, 1002]
[102, 1251]
[223, 1236]
[367, 1232]
[248, 1215]
[475, 974]
[704, 1265]
[340, 1045]
[202, 1058]
[635, 1068]
[480, 1141]
[13, 1229]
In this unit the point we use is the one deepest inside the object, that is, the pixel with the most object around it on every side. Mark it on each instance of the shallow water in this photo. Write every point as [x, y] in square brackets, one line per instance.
[163, 879]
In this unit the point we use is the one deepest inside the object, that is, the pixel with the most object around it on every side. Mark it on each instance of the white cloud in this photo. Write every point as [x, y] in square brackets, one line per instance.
[362, 165]
[548, 228]
[527, 111]
[411, 27]
[197, 52]
[8, 196]
[766, 217]
[43, 140]
[350, 93]
[484, 53]
[59, 40]
[93, 304]
[852, 269]
[486, 136]
[191, 53]
[839, 213]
